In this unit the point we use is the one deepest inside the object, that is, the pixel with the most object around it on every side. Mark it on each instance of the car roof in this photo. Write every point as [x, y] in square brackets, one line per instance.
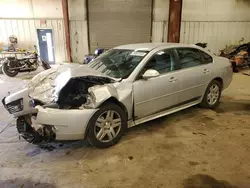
[151, 46]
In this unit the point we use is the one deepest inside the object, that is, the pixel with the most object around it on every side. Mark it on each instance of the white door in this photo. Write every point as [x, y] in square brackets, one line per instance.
[160, 93]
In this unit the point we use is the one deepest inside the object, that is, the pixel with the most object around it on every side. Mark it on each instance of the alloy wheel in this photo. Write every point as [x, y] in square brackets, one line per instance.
[213, 94]
[107, 126]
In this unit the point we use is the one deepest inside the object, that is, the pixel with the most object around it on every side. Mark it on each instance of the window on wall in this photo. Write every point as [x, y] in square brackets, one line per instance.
[189, 57]
[206, 58]
[161, 61]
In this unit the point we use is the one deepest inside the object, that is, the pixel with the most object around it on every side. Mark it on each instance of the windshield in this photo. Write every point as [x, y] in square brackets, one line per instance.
[118, 63]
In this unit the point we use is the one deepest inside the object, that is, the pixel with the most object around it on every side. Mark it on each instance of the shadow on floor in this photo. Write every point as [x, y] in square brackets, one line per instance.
[162, 122]
[234, 106]
[205, 181]
[22, 183]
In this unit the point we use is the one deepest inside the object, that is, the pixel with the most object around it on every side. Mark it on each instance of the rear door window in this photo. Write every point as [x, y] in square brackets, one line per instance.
[206, 58]
[189, 57]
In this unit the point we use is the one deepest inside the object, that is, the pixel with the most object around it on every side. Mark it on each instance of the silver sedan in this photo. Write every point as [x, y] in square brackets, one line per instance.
[126, 86]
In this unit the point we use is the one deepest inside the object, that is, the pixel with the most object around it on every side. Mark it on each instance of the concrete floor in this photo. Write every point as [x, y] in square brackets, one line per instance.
[194, 148]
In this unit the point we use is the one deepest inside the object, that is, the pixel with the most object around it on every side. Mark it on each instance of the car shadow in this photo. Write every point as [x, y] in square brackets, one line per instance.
[62, 145]
[167, 120]
[238, 107]
[23, 183]
[235, 106]
[205, 181]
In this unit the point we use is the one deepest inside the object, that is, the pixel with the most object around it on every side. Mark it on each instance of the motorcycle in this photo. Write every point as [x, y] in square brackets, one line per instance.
[239, 57]
[88, 58]
[11, 66]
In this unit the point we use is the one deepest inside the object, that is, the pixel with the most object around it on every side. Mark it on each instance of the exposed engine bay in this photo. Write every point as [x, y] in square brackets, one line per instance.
[57, 88]
[75, 93]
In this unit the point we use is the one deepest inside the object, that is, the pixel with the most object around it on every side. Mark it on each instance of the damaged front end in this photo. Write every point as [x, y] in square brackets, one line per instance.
[63, 101]
[32, 133]
[63, 90]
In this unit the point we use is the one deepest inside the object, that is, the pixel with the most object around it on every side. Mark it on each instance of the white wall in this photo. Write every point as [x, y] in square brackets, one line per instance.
[205, 10]
[160, 20]
[217, 22]
[78, 29]
[30, 9]
[216, 10]
[77, 10]
[26, 32]
[160, 10]
[22, 18]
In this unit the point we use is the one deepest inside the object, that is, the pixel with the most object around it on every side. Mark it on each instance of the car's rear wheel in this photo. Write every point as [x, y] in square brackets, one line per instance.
[107, 126]
[212, 95]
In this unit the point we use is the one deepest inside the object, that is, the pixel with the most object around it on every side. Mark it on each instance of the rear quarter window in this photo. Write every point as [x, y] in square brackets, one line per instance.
[206, 57]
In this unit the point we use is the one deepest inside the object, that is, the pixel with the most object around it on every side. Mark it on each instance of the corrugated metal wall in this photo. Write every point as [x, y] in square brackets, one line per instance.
[217, 34]
[219, 23]
[78, 29]
[160, 31]
[79, 40]
[26, 32]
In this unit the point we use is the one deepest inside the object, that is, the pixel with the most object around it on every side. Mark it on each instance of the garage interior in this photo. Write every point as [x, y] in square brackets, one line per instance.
[193, 148]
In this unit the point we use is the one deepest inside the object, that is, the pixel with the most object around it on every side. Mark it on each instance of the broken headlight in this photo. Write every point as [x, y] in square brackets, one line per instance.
[15, 106]
[90, 102]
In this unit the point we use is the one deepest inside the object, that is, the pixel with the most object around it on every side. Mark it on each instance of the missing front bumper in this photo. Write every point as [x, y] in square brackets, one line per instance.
[69, 124]
[44, 133]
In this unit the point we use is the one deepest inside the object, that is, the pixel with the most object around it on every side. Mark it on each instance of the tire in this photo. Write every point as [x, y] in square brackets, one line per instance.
[1, 62]
[105, 131]
[212, 100]
[6, 71]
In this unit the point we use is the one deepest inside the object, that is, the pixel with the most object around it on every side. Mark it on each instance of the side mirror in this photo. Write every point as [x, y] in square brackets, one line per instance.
[150, 73]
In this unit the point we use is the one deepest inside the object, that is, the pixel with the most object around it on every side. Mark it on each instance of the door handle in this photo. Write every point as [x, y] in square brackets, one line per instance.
[173, 79]
[206, 70]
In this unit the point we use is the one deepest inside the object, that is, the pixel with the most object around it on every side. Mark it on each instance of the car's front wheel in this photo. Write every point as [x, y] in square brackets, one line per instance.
[107, 126]
[212, 95]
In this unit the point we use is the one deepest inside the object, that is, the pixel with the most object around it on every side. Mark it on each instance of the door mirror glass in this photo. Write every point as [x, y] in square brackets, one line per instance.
[150, 73]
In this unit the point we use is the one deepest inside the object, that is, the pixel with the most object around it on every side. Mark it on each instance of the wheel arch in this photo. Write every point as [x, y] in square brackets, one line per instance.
[109, 100]
[219, 79]
[118, 103]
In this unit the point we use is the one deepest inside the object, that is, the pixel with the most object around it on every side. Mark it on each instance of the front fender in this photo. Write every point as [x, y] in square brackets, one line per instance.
[100, 94]
[122, 93]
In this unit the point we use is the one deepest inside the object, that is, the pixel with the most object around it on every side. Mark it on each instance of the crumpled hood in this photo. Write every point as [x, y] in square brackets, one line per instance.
[46, 86]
